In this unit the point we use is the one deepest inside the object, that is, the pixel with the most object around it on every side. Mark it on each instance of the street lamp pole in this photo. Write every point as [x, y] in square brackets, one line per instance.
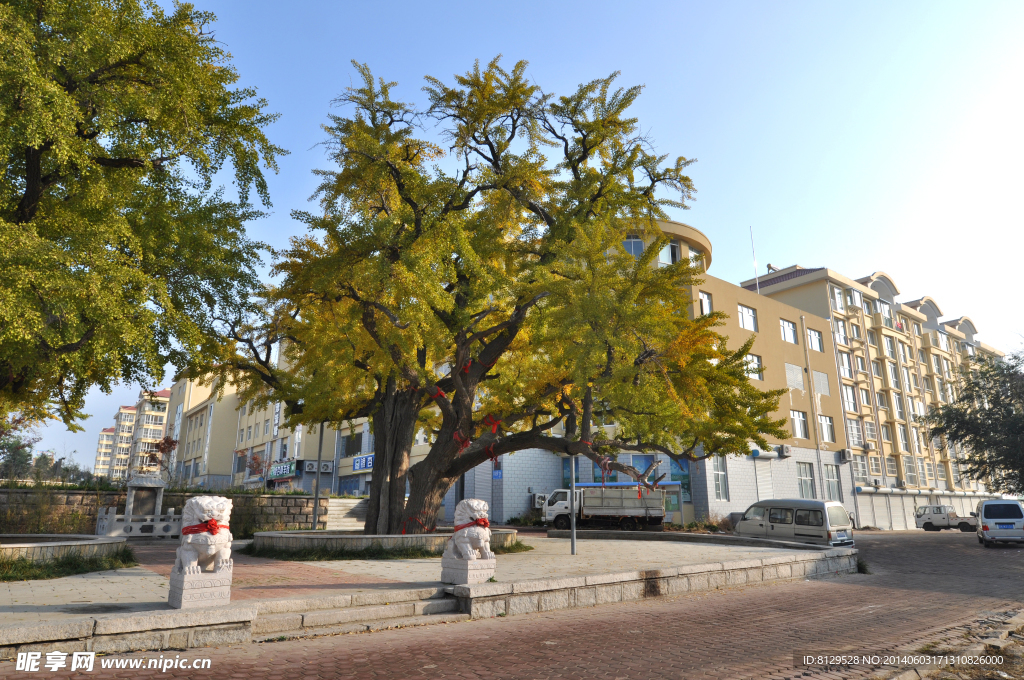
[572, 503]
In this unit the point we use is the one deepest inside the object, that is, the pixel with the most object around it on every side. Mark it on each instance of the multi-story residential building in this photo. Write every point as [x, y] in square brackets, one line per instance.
[150, 423]
[104, 452]
[204, 427]
[124, 431]
[895, 361]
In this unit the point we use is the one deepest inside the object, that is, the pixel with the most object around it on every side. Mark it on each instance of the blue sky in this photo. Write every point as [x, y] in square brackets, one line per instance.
[862, 137]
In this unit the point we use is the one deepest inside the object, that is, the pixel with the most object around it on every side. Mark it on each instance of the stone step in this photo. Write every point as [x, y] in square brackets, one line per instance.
[345, 514]
[355, 619]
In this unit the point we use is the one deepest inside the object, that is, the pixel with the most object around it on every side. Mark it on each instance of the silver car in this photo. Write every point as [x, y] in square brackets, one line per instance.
[1000, 521]
[800, 520]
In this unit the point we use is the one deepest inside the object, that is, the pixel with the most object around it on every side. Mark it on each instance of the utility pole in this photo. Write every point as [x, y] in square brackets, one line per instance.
[316, 492]
[572, 503]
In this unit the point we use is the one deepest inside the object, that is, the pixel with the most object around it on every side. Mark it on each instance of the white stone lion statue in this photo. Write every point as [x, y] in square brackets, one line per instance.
[472, 538]
[205, 536]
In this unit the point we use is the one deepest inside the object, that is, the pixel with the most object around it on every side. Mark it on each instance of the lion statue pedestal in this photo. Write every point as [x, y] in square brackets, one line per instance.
[201, 575]
[467, 557]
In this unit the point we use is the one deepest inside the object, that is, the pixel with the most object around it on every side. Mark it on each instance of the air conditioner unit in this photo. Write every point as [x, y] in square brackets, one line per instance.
[310, 466]
[326, 467]
[845, 455]
[875, 482]
[902, 484]
[539, 499]
[784, 450]
[870, 446]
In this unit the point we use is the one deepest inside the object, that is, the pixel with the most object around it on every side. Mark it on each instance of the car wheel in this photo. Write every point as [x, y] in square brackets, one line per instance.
[987, 544]
[928, 526]
[966, 528]
[562, 523]
[628, 524]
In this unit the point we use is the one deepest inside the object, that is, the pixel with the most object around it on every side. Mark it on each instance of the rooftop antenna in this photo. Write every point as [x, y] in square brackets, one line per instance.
[754, 253]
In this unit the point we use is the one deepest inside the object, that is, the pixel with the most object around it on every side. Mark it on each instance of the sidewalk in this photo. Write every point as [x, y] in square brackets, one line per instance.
[144, 588]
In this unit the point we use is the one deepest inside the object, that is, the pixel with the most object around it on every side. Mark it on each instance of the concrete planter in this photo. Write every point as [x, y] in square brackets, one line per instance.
[334, 540]
[42, 547]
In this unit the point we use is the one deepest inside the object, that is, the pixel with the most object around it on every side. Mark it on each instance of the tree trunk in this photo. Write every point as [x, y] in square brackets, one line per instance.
[394, 427]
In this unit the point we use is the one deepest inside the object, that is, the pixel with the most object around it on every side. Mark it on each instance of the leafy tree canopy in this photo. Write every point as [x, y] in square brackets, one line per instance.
[117, 253]
[986, 420]
[477, 288]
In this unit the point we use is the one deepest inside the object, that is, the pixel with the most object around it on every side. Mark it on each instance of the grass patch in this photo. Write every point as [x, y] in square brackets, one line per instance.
[374, 552]
[516, 547]
[22, 569]
[862, 567]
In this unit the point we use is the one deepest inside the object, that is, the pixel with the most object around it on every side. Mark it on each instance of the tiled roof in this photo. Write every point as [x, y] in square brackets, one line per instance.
[782, 277]
[162, 393]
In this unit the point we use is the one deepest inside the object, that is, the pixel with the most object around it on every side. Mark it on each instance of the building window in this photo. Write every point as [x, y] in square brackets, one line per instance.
[945, 369]
[894, 376]
[865, 397]
[862, 367]
[922, 472]
[845, 367]
[890, 466]
[248, 433]
[922, 357]
[748, 318]
[705, 303]
[849, 398]
[669, 254]
[805, 479]
[718, 469]
[897, 401]
[890, 347]
[876, 466]
[876, 368]
[904, 355]
[837, 299]
[917, 439]
[941, 388]
[927, 384]
[904, 438]
[883, 401]
[944, 341]
[853, 432]
[266, 426]
[241, 434]
[860, 469]
[839, 327]
[634, 246]
[913, 378]
[936, 363]
[909, 471]
[815, 341]
[855, 330]
[754, 367]
[788, 331]
[828, 429]
[872, 339]
[954, 470]
[869, 430]
[906, 378]
[886, 433]
[833, 491]
[929, 469]
[853, 298]
[798, 420]
[917, 328]
[940, 472]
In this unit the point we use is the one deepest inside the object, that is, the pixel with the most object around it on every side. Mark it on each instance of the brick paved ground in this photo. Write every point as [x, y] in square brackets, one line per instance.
[923, 586]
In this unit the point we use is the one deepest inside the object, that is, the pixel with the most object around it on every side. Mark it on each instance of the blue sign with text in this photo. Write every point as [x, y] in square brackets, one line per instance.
[362, 463]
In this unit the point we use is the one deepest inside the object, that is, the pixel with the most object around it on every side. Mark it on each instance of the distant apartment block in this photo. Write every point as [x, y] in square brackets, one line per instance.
[104, 452]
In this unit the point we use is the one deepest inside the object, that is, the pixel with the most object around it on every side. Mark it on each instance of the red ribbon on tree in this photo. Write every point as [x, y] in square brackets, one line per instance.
[415, 518]
[463, 441]
[465, 369]
[492, 422]
[491, 454]
[480, 522]
[209, 525]
[439, 393]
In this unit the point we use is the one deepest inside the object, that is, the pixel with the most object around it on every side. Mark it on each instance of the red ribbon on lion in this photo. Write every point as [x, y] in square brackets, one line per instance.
[209, 525]
[480, 522]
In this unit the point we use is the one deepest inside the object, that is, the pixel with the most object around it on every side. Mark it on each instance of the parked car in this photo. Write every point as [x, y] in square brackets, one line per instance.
[803, 521]
[1000, 521]
[939, 517]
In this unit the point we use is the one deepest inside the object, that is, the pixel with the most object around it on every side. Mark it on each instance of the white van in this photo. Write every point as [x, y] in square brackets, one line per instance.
[1000, 521]
[799, 520]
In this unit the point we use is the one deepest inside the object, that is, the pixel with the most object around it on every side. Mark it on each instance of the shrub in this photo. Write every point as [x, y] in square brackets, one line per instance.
[22, 569]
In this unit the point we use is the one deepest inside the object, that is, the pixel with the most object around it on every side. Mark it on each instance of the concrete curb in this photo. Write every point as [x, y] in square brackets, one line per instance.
[682, 537]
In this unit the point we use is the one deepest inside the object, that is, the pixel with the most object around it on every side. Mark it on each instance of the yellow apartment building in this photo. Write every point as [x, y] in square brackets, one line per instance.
[895, 361]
